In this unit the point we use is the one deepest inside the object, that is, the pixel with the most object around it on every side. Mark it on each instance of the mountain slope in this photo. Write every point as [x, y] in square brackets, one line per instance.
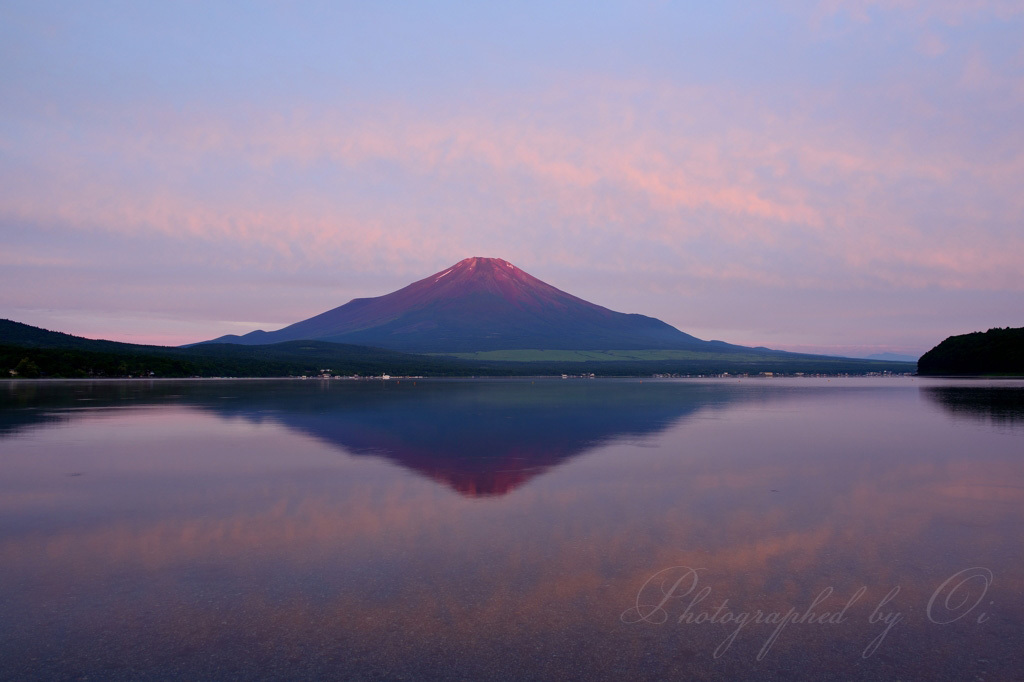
[482, 304]
[55, 354]
[25, 335]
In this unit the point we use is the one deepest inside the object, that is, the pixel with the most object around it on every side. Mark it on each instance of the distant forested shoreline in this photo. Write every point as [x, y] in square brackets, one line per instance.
[29, 352]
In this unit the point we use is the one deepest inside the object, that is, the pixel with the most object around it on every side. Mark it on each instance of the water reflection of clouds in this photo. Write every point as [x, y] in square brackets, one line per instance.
[359, 560]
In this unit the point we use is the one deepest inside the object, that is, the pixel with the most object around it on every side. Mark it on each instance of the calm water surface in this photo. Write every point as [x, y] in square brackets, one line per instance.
[590, 529]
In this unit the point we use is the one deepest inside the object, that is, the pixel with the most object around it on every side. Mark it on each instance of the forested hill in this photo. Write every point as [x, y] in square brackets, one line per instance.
[18, 334]
[995, 352]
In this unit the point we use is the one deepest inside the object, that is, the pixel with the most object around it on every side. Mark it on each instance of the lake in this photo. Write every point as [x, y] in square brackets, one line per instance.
[548, 529]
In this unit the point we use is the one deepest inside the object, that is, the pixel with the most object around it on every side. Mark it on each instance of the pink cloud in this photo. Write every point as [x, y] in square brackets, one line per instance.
[951, 12]
[780, 200]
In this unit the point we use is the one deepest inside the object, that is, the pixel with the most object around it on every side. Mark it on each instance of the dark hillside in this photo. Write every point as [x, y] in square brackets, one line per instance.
[997, 351]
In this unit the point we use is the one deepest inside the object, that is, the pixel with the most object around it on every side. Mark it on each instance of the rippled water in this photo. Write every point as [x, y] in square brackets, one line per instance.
[768, 529]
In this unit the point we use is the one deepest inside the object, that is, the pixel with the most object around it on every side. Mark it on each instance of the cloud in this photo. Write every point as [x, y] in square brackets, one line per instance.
[950, 12]
[396, 188]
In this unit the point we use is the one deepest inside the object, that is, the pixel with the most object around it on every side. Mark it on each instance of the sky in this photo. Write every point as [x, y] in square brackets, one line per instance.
[834, 176]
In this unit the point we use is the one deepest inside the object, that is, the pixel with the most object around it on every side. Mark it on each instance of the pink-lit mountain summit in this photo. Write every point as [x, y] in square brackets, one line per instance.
[481, 304]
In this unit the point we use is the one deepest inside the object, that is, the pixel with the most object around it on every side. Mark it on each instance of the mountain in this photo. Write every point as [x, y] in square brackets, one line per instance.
[892, 357]
[482, 304]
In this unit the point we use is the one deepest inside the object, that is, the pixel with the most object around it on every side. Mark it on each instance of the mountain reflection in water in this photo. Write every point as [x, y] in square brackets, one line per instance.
[480, 438]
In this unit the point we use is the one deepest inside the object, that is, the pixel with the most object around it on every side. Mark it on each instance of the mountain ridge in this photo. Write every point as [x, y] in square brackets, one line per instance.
[28, 352]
